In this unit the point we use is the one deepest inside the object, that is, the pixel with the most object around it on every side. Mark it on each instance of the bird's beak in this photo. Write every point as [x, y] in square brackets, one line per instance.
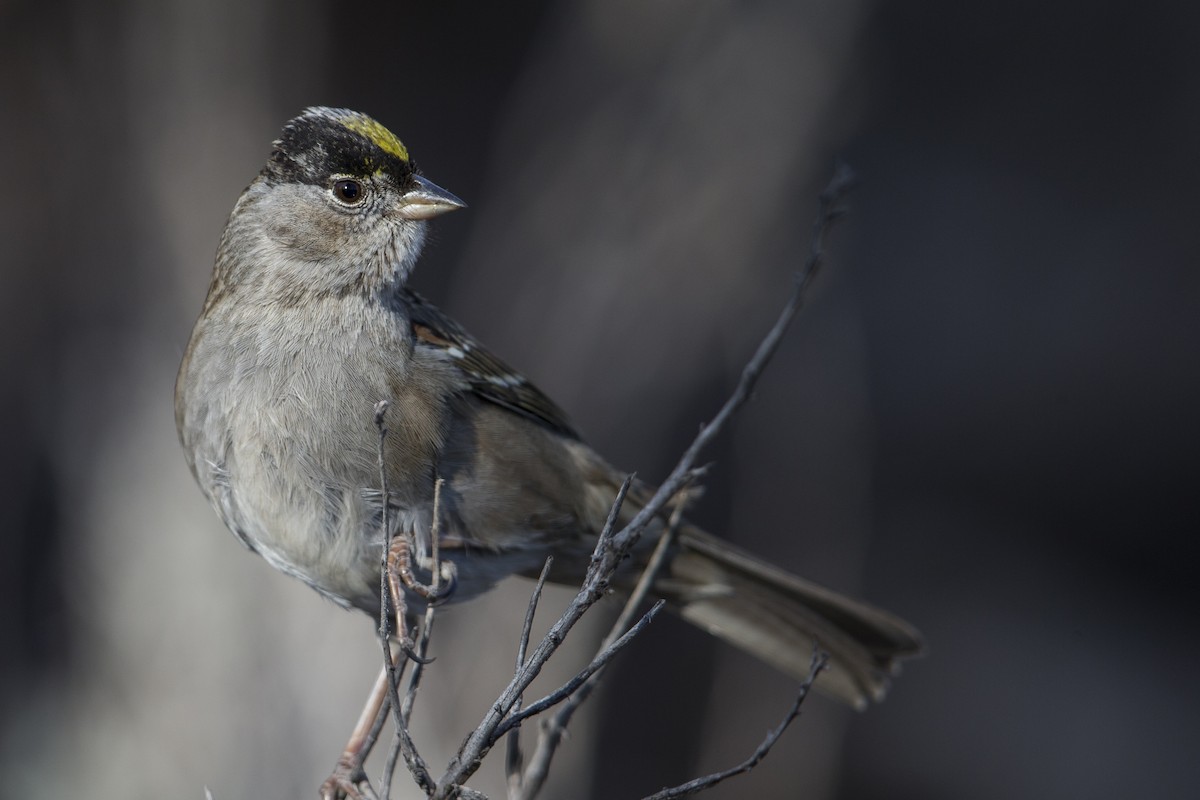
[426, 199]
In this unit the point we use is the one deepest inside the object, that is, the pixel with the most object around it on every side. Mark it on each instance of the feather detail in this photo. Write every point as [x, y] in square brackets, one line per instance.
[488, 376]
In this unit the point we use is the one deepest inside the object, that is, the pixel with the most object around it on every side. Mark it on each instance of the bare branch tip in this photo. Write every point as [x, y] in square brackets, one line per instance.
[381, 409]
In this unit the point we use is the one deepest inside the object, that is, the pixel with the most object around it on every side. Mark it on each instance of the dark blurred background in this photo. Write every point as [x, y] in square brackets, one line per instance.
[985, 420]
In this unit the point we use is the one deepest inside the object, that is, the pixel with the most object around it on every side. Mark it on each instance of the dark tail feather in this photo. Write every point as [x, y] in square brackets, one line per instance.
[776, 617]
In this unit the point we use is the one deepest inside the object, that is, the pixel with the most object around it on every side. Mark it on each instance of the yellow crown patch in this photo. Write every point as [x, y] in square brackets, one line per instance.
[384, 139]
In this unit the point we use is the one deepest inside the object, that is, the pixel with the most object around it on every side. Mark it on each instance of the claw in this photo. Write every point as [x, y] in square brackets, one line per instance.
[406, 647]
[400, 573]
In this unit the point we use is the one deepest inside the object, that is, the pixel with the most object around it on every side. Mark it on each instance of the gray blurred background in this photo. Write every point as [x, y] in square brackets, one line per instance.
[985, 420]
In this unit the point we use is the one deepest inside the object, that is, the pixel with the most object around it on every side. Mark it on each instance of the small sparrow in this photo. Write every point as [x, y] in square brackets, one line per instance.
[309, 322]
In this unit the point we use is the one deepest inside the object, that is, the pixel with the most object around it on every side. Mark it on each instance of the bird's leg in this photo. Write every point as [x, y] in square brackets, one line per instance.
[400, 576]
[348, 781]
[400, 572]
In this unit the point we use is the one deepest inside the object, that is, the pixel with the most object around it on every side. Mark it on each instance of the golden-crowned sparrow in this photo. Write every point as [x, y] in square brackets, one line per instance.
[309, 322]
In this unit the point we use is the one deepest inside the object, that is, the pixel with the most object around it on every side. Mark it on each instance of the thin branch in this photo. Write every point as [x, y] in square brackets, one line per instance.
[830, 209]
[377, 726]
[570, 688]
[386, 608]
[653, 567]
[402, 744]
[531, 610]
[419, 664]
[402, 741]
[513, 757]
[605, 559]
[422, 645]
[385, 612]
[553, 729]
[819, 660]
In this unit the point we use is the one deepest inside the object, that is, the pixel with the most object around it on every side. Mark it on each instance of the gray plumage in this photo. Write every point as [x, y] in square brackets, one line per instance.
[309, 322]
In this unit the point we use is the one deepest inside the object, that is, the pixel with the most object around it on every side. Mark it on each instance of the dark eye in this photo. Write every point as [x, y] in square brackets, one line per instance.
[348, 191]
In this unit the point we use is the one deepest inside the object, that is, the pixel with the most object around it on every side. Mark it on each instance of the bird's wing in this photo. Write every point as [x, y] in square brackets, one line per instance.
[489, 377]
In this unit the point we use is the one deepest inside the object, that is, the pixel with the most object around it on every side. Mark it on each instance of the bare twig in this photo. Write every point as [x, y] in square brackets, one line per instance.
[435, 585]
[385, 610]
[381, 716]
[584, 676]
[653, 567]
[605, 558]
[403, 744]
[402, 741]
[552, 729]
[513, 757]
[819, 660]
[830, 210]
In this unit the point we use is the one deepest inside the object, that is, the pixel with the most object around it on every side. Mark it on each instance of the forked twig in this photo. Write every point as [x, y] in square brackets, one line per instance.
[553, 729]
[830, 209]
[605, 558]
[513, 756]
[586, 676]
[819, 660]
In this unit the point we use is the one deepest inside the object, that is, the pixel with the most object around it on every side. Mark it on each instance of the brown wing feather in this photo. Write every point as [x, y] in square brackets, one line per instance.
[489, 377]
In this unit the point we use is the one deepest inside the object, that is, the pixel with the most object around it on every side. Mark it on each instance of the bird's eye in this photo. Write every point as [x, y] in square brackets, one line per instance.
[348, 191]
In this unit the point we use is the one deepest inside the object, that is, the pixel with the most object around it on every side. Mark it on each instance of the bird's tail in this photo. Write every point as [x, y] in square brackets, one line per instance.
[777, 617]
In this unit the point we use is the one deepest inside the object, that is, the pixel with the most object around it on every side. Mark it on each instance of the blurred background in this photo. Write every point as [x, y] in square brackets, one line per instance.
[985, 419]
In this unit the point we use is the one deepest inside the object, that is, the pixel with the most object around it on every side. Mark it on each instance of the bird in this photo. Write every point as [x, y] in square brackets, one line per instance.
[310, 322]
